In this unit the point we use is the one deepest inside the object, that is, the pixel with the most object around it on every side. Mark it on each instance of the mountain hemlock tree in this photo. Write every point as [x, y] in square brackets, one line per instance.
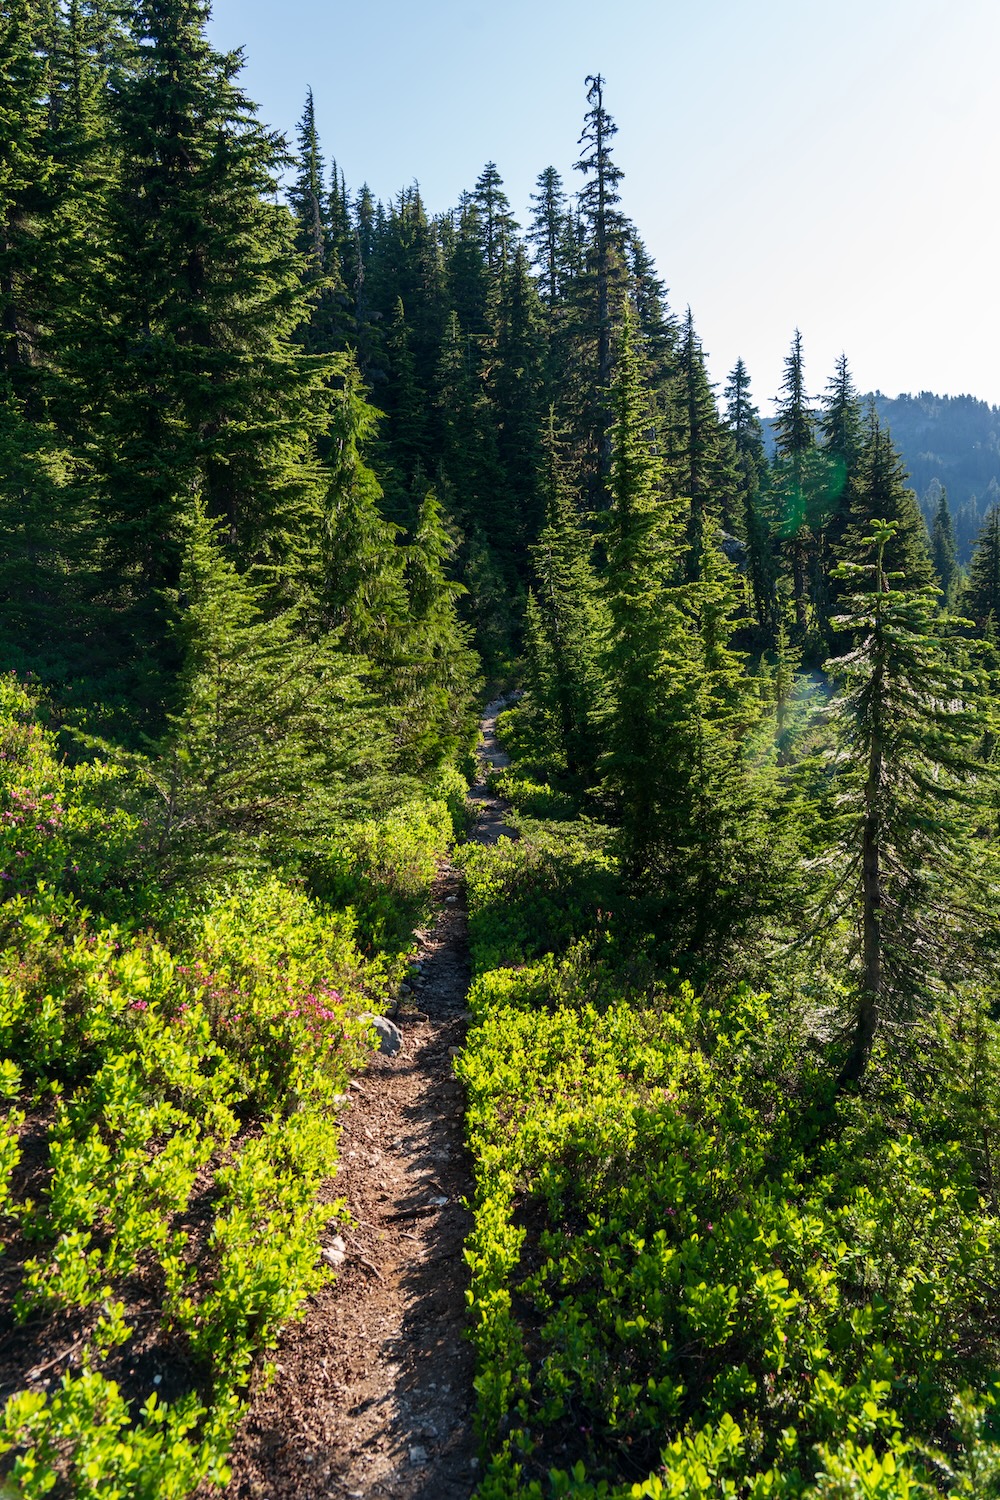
[879, 492]
[795, 477]
[547, 235]
[944, 554]
[700, 838]
[841, 427]
[647, 660]
[198, 387]
[747, 433]
[567, 624]
[981, 600]
[604, 266]
[906, 731]
[439, 669]
[697, 467]
[274, 738]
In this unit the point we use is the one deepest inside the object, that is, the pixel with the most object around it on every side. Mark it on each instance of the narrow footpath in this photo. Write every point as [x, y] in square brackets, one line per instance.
[373, 1394]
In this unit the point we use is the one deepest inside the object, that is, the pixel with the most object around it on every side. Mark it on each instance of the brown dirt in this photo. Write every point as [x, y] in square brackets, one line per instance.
[373, 1395]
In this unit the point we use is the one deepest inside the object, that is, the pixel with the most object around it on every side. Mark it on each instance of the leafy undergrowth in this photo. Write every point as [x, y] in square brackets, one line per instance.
[543, 891]
[693, 1273]
[171, 1077]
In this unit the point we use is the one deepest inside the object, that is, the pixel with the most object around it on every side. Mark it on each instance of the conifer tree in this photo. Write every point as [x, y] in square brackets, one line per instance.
[362, 595]
[405, 442]
[747, 433]
[648, 664]
[516, 387]
[944, 553]
[599, 286]
[566, 626]
[28, 186]
[470, 461]
[307, 196]
[273, 738]
[48, 136]
[310, 204]
[981, 598]
[700, 834]
[197, 387]
[440, 668]
[796, 478]
[496, 221]
[654, 322]
[841, 428]
[698, 457]
[906, 729]
[547, 236]
[878, 492]
[471, 293]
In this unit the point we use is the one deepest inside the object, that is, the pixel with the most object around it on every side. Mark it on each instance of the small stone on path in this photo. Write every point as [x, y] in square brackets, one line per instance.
[390, 1038]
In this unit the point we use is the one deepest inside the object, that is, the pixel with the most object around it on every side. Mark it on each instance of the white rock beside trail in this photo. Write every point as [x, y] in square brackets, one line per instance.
[390, 1038]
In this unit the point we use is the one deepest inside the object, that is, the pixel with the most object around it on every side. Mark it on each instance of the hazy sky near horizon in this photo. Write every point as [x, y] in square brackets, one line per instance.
[789, 163]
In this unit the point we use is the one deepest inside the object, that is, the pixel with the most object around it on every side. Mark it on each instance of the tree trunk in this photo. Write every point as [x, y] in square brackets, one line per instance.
[867, 1017]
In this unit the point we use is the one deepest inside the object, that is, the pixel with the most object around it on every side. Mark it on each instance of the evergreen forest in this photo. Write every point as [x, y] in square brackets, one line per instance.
[292, 481]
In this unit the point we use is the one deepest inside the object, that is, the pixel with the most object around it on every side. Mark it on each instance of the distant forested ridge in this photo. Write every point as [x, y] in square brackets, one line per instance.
[289, 477]
[950, 442]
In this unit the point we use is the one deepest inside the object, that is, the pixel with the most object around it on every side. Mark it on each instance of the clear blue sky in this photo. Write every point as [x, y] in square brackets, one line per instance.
[827, 164]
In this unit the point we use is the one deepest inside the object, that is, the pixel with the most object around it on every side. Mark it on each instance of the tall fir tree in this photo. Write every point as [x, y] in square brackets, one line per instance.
[497, 224]
[567, 625]
[906, 732]
[698, 456]
[879, 492]
[700, 838]
[197, 386]
[273, 737]
[516, 388]
[981, 596]
[747, 433]
[796, 479]
[439, 671]
[548, 234]
[599, 285]
[944, 554]
[841, 428]
[310, 204]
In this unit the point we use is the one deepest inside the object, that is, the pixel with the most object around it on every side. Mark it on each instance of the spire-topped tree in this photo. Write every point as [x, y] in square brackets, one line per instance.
[497, 223]
[981, 599]
[841, 422]
[747, 432]
[515, 387]
[944, 553]
[548, 234]
[567, 622]
[700, 472]
[842, 428]
[189, 355]
[879, 492]
[798, 482]
[599, 199]
[307, 195]
[908, 731]
[653, 317]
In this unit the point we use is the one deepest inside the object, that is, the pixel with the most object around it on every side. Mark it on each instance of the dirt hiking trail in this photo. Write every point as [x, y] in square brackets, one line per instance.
[373, 1394]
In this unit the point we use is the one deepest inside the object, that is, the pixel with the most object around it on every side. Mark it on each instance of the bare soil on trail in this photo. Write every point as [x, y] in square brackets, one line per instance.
[373, 1394]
